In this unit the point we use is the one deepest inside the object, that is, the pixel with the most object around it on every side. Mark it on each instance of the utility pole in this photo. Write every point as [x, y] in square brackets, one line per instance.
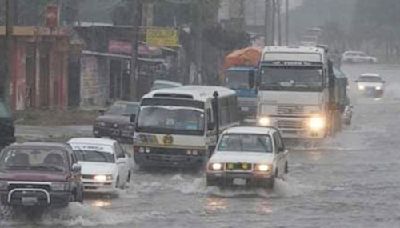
[134, 63]
[273, 14]
[287, 22]
[8, 42]
[279, 15]
[267, 22]
[199, 43]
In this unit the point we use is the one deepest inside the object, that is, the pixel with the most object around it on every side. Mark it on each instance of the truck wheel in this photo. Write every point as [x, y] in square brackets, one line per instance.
[79, 196]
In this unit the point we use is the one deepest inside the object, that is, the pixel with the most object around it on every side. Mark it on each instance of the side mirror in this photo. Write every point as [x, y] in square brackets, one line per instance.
[211, 126]
[76, 168]
[132, 118]
[251, 79]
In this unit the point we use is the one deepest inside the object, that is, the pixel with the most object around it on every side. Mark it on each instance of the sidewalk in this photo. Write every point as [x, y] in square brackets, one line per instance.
[53, 133]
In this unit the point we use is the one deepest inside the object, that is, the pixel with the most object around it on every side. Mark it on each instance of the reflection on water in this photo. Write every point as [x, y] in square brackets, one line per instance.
[215, 204]
[101, 203]
[264, 207]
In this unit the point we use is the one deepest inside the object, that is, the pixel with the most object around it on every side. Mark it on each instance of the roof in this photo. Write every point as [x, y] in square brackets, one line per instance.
[167, 82]
[39, 144]
[370, 75]
[93, 141]
[294, 49]
[201, 93]
[250, 130]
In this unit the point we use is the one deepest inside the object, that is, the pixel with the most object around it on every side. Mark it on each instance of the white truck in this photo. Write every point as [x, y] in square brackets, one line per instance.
[296, 92]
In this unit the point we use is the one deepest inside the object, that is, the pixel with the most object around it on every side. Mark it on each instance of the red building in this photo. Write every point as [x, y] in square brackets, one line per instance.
[39, 70]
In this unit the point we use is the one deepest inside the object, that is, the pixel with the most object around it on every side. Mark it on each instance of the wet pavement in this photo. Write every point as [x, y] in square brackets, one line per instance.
[350, 180]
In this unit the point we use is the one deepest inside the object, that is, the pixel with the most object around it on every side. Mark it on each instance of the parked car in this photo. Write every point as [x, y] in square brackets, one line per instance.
[117, 122]
[105, 165]
[164, 84]
[371, 85]
[248, 156]
[39, 174]
[357, 57]
[6, 126]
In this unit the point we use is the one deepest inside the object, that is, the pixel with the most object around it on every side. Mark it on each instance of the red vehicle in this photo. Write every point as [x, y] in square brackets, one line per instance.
[39, 174]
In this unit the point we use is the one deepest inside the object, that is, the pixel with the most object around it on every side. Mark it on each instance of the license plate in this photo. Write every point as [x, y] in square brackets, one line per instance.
[239, 181]
[29, 200]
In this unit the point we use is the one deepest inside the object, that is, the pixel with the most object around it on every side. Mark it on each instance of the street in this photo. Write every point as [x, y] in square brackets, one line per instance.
[350, 180]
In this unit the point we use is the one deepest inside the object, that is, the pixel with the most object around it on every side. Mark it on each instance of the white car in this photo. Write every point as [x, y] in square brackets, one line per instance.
[248, 156]
[371, 85]
[357, 57]
[105, 165]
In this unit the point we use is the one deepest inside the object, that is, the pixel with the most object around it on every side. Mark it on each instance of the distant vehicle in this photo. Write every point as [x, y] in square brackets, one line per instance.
[248, 156]
[164, 84]
[357, 57]
[105, 165]
[371, 85]
[177, 127]
[116, 121]
[6, 126]
[39, 174]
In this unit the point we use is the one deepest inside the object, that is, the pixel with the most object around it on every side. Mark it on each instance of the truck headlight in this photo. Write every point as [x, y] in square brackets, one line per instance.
[102, 178]
[59, 186]
[264, 121]
[361, 87]
[3, 185]
[216, 166]
[263, 167]
[316, 123]
[378, 87]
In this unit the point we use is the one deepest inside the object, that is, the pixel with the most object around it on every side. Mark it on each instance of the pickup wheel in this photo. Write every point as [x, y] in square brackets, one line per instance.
[79, 195]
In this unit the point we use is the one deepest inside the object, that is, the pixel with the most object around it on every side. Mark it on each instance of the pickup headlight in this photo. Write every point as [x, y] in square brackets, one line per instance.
[103, 178]
[378, 87]
[264, 121]
[316, 123]
[60, 186]
[361, 87]
[216, 166]
[3, 185]
[263, 167]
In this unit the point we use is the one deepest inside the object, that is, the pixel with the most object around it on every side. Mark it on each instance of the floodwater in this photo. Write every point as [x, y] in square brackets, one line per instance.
[350, 180]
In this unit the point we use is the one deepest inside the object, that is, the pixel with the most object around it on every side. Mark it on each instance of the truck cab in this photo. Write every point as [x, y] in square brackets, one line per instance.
[293, 91]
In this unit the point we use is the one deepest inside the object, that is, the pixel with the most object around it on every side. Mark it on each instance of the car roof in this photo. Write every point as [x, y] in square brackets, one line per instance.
[39, 144]
[166, 82]
[370, 75]
[93, 141]
[250, 130]
[127, 102]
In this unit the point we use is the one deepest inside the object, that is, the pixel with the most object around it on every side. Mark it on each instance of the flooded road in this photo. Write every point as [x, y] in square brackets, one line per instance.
[350, 180]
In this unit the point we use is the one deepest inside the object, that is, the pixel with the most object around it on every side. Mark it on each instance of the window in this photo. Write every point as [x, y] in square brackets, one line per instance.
[245, 143]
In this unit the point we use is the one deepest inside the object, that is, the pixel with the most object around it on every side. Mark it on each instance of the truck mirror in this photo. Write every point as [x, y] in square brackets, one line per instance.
[251, 79]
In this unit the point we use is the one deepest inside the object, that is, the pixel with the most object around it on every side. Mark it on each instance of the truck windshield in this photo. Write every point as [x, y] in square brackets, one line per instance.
[38, 159]
[245, 143]
[291, 78]
[4, 111]
[171, 120]
[237, 80]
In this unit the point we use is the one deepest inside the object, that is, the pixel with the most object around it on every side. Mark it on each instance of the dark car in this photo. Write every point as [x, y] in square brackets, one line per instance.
[39, 174]
[117, 122]
[6, 125]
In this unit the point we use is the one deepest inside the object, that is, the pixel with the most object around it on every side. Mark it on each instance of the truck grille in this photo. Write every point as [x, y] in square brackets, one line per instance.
[290, 110]
[28, 185]
[238, 166]
[293, 124]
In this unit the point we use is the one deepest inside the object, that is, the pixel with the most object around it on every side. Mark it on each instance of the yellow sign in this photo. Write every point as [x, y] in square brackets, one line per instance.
[168, 140]
[162, 36]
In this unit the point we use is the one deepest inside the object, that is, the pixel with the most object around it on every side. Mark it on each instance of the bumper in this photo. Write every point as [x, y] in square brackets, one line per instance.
[115, 133]
[248, 179]
[98, 187]
[35, 197]
[162, 160]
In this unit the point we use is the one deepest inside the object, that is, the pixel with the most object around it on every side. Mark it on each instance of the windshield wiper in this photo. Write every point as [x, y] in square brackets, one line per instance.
[51, 167]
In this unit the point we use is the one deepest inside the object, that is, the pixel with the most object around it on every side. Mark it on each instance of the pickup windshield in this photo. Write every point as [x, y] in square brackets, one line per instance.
[245, 143]
[40, 159]
[237, 79]
[171, 120]
[292, 78]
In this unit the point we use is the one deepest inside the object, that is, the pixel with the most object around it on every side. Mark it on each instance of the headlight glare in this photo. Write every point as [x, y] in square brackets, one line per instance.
[263, 167]
[100, 178]
[264, 121]
[378, 88]
[316, 123]
[216, 166]
[361, 87]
